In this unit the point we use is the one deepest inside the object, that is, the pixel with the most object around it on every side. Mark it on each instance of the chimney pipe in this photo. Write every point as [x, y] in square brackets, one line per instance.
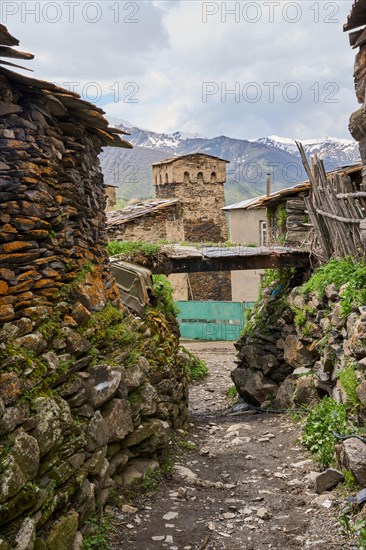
[268, 185]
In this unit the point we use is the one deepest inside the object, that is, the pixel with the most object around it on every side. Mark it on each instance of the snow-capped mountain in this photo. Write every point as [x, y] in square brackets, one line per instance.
[339, 151]
[250, 160]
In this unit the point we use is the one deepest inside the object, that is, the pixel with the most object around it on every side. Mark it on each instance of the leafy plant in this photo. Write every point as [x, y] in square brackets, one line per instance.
[325, 417]
[232, 392]
[197, 367]
[281, 216]
[132, 249]
[348, 379]
[354, 529]
[340, 272]
[96, 537]
[188, 445]
[164, 294]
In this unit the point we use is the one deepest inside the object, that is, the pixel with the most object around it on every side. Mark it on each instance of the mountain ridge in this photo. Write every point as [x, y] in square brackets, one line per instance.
[250, 160]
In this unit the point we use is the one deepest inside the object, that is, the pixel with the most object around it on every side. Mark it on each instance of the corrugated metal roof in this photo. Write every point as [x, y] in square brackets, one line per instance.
[173, 159]
[133, 211]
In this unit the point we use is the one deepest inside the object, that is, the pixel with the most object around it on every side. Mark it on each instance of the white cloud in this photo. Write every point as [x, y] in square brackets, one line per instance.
[169, 52]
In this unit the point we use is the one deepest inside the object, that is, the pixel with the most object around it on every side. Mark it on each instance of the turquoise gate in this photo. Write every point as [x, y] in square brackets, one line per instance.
[212, 320]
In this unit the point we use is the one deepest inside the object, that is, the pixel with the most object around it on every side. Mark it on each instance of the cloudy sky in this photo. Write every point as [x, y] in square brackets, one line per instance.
[244, 69]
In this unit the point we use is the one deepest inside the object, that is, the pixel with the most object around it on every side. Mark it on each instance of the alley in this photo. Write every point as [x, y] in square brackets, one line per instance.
[243, 486]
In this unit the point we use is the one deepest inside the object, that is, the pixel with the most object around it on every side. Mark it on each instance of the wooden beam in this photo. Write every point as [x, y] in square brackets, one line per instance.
[231, 263]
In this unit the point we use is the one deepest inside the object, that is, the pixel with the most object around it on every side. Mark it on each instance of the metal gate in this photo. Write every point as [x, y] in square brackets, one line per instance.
[212, 320]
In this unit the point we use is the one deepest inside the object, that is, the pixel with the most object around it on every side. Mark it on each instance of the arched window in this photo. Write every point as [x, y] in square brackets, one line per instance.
[160, 179]
[213, 177]
[200, 177]
[156, 180]
[166, 178]
[186, 177]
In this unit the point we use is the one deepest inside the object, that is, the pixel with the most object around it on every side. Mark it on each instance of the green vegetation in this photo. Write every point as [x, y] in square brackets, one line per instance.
[340, 272]
[96, 536]
[318, 425]
[109, 329]
[276, 283]
[354, 529]
[349, 381]
[66, 291]
[232, 392]
[197, 368]
[186, 445]
[281, 216]
[164, 294]
[132, 249]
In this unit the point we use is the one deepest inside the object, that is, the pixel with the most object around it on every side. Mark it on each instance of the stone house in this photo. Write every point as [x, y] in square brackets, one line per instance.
[151, 220]
[197, 181]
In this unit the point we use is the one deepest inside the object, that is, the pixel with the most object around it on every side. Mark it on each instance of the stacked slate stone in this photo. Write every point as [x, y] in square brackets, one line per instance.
[296, 221]
[88, 395]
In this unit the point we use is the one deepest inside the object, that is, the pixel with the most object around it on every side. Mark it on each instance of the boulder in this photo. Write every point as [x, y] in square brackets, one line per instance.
[361, 392]
[97, 432]
[134, 376]
[102, 384]
[297, 354]
[137, 469]
[253, 386]
[26, 535]
[118, 420]
[53, 416]
[327, 480]
[351, 455]
[13, 416]
[20, 465]
[63, 532]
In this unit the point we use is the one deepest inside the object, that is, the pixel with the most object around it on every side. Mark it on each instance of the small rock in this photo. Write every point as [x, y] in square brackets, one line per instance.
[127, 509]
[263, 513]
[211, 526]
[170, 515]
[327, 479]
[229, 515]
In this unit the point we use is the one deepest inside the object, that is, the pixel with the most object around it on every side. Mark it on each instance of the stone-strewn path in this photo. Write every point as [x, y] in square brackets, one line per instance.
[244, 487]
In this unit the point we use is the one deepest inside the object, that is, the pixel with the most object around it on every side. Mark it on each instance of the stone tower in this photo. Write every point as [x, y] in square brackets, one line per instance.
[197, 180]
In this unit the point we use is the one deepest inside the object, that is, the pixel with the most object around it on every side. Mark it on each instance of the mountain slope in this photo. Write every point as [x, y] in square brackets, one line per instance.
[250, 161]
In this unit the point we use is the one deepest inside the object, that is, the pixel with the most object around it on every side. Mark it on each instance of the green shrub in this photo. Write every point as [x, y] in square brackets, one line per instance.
[317, 429]
[132, 249]
[96, 537]
[164, 294]
[197, 368]
[348, 379]
[340, 272]
[232, 392]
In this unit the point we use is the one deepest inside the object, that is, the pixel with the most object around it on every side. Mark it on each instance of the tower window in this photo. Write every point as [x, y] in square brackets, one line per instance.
[160, 179]
[200, 177]
[166, 178]
[186, 177]
[213, 177]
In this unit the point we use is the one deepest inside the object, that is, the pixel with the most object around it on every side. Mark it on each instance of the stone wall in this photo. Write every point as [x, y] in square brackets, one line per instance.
[210, 286]
[296, 346]
[88, 394]
[163, 224]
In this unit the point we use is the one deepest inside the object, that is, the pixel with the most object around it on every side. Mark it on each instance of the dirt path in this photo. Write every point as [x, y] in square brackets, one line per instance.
[242, 488]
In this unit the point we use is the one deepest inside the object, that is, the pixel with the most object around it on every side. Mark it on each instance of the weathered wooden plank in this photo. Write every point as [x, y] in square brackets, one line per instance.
[231, 263]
